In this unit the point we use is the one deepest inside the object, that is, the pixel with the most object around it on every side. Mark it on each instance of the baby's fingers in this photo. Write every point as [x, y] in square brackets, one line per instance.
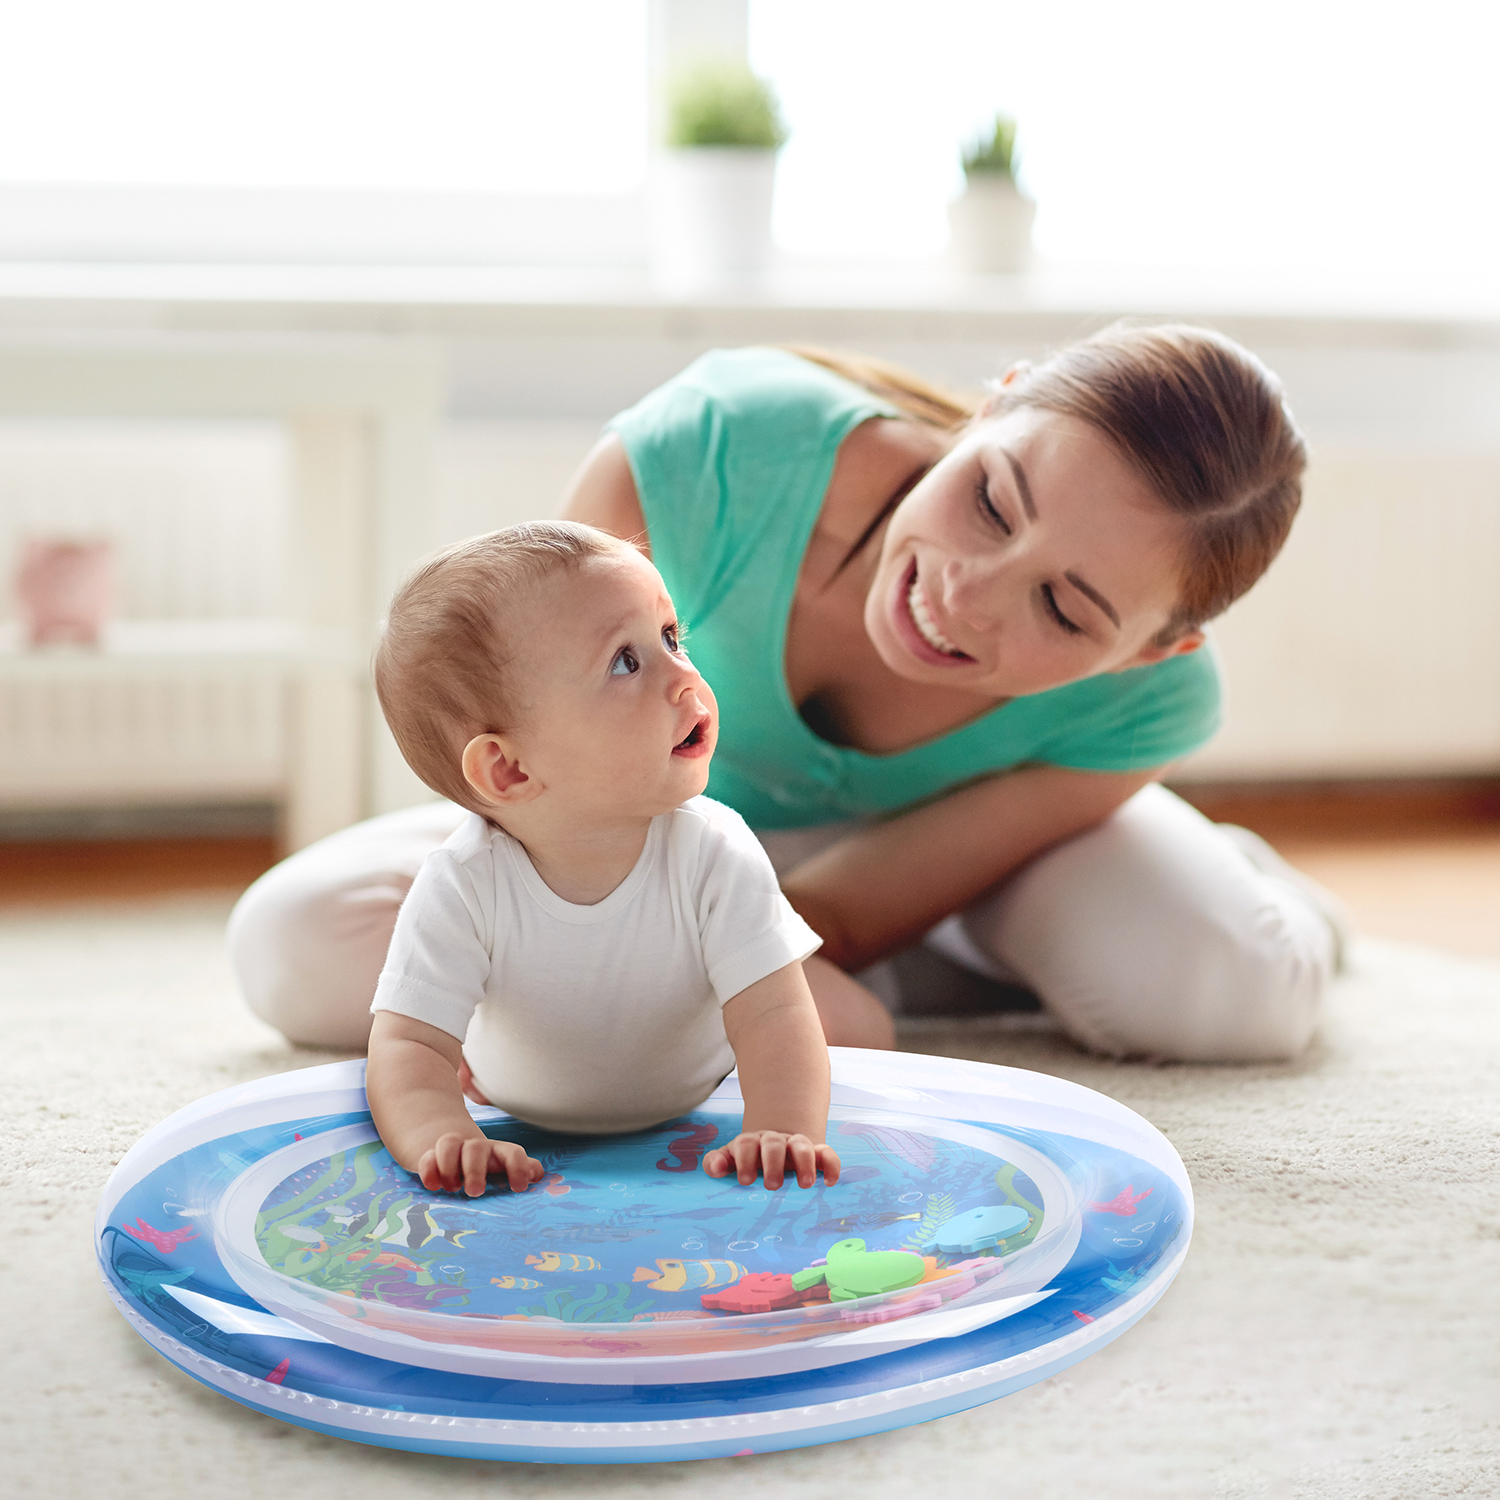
[440, 1169]
[476, 1165]
[520, 1170]
[828, 1162]
[745, 1149]
[717, 1163]
[773, 1152]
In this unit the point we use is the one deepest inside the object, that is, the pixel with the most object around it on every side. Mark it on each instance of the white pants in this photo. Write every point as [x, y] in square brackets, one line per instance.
[1155, 934]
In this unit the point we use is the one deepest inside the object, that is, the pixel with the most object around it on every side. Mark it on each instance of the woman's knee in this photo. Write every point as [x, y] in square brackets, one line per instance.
[308, 940]
[1153, 935]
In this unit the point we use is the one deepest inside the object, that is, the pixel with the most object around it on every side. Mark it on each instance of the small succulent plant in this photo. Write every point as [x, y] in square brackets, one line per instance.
[723, 104]
[993, 151]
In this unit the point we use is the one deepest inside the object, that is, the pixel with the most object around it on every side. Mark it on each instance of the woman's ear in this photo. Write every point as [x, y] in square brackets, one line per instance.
[997, 390]
[1182, 646]
[491, 767]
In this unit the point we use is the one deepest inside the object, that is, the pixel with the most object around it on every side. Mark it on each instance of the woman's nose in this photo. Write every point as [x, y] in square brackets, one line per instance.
[972, 590]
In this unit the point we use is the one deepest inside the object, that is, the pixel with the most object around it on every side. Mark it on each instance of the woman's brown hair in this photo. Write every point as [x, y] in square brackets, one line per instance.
[1197, 416]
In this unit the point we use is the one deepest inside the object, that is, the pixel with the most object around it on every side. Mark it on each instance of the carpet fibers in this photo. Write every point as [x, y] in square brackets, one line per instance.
[1333, 1335]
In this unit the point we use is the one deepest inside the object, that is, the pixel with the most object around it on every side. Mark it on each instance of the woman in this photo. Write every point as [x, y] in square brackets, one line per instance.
[953, 651]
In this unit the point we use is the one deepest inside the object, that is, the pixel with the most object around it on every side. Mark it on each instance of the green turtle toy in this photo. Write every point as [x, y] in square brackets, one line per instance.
[852, 1271]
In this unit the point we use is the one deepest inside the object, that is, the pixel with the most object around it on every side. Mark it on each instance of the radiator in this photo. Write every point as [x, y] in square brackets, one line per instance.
[187, 700]
[1372, 647]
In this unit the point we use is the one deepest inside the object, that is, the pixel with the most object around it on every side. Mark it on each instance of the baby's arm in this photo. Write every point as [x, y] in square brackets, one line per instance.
[783, 1066]
[414, 1094]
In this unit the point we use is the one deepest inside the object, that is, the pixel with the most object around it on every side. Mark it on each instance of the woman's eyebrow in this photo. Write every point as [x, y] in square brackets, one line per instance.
[1027, 503]
[1095, 595]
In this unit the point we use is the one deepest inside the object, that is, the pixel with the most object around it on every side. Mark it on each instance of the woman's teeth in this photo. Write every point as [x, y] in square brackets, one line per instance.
[924, 622]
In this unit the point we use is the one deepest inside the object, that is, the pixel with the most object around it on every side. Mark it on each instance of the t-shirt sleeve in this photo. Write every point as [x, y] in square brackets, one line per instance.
[439, 958]
[716, 450]
[1142, 718]
[747, 927]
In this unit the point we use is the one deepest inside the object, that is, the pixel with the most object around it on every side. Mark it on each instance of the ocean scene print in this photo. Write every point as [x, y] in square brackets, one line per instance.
[624, 1229]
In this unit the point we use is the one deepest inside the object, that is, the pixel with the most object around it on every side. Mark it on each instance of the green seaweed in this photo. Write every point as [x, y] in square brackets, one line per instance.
[606, 1305]
[939, 1211]
[1005, 1180]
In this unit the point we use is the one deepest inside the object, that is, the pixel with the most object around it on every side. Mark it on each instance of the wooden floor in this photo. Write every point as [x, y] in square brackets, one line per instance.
[1409, 873]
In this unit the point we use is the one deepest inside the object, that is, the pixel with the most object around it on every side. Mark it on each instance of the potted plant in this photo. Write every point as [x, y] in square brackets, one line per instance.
[712, 184]
[991, 223]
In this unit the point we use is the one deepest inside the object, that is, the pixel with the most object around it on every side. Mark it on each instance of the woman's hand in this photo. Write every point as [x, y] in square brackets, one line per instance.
[462, 1161]
[878, 890]
[768, 1153]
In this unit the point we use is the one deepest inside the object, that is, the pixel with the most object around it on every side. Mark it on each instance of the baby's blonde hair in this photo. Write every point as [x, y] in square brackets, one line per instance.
[441, 665]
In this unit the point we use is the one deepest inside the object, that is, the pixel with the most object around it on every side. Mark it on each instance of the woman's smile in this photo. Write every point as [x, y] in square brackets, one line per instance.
[917, 627]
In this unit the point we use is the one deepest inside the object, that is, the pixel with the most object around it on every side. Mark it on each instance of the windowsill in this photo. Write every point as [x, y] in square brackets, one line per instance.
[442, 299]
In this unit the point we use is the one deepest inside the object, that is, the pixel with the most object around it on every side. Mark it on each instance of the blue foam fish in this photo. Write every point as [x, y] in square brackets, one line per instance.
[979, 1229]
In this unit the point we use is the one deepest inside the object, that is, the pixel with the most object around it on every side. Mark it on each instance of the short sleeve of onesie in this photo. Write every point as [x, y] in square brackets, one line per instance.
[748, 928]
[438, 963]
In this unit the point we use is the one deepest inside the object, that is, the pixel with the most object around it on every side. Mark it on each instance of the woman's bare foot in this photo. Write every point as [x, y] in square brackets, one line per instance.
[852, 1016]
[467, 1084]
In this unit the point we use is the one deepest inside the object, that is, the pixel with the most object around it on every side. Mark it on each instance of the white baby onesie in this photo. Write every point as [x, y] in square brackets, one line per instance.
[593, 1018]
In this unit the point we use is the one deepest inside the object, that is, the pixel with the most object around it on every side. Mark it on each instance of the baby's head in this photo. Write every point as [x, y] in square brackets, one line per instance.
[544, 660]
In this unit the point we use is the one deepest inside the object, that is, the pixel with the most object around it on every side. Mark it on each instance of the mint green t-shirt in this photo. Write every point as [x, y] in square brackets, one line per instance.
[732, 459]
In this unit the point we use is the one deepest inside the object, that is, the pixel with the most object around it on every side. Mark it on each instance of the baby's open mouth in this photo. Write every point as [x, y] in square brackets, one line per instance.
[696, 737]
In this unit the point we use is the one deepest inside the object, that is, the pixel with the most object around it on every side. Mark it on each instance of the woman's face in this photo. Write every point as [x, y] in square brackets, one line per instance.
[1030, 556]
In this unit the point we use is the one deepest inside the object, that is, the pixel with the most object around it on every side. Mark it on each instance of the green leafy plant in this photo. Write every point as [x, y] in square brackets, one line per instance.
[723, 104]
[993, 152]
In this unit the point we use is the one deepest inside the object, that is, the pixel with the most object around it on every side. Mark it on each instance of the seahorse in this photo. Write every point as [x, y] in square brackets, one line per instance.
[689, 1148]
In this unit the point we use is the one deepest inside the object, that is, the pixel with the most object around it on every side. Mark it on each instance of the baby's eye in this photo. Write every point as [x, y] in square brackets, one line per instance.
[670, 639]
[624, 664]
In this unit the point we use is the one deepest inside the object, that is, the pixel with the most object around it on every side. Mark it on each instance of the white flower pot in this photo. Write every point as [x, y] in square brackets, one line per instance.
[711, 217]
[991, 225]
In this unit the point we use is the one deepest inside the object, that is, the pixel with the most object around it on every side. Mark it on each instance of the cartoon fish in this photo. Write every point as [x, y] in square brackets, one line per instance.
[554, 1185]
[689, 1275]
[557, 1260]
[147, 1283]
[1121, 1281]
[872, 1220]
[979, 1229]
[514, 1283]
[905, 1145]
[418, 1228]
[165, 1240]
[688, 1148]
[313, 1237]
[1123, 1203]
[389, 1258]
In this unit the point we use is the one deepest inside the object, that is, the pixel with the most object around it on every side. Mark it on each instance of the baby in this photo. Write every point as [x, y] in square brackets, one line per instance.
[599, 944]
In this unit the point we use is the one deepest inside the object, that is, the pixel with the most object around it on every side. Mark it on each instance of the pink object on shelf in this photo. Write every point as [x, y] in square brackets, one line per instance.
[65, 590]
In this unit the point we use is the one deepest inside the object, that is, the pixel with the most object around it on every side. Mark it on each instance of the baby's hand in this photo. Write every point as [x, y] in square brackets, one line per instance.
[769, 1153]
[466, 1162]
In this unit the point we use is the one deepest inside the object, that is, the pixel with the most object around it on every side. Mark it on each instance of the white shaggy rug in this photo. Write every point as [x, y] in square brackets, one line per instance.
[1335, 1334]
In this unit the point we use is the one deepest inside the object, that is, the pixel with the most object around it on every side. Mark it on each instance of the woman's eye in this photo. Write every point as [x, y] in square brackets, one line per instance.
[624, 664]
[1051, 601]
[986, 508]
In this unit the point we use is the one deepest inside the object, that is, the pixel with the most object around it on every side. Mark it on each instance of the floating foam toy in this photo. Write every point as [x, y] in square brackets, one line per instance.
[991, 1228]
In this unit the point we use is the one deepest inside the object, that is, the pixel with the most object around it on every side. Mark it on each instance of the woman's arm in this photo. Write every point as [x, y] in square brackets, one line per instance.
[880, 889]
[603, 494]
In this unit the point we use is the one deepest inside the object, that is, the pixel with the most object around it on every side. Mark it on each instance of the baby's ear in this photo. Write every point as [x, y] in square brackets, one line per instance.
[490, 766]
